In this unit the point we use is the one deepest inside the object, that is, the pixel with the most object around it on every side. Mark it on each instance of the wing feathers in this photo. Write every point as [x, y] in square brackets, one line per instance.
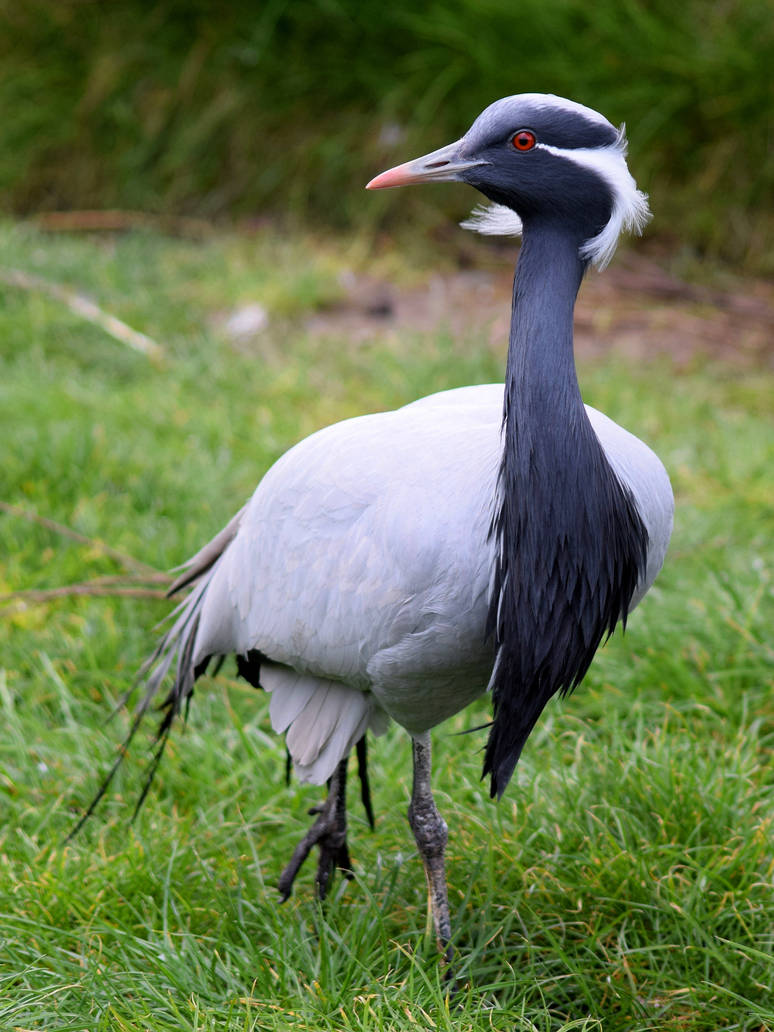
[206, 557]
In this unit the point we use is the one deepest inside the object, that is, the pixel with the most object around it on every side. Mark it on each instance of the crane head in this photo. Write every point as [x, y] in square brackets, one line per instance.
[541, 160]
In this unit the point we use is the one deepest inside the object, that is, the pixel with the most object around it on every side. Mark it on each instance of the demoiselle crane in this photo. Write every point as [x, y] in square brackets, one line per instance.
[397, 566]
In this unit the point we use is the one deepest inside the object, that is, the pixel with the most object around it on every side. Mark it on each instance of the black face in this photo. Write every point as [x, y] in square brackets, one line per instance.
[512, 137]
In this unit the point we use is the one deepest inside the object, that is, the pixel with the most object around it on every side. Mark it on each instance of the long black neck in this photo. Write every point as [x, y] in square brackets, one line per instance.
[570, 544]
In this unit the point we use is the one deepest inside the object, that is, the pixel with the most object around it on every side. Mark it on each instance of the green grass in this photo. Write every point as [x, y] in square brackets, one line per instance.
[625, 880]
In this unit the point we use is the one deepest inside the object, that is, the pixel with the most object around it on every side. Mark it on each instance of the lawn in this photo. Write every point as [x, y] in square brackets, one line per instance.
[625, 880]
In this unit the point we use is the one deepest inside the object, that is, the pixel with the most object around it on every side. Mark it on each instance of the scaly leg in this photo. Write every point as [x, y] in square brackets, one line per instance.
[329, 832]
[431, 835]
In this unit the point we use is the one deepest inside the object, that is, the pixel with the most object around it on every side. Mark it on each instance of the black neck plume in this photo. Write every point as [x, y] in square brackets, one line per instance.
[570, 543]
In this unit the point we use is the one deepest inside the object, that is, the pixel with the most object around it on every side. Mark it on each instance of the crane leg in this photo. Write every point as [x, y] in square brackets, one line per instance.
[365, 785]
[431, 835]
[329, 834]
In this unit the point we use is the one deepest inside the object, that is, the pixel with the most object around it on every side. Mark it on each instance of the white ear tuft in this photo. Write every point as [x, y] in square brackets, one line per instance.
[493, 220]
[630, 205]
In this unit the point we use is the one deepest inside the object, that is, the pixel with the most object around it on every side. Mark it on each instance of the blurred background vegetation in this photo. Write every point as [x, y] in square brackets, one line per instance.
[245, 109]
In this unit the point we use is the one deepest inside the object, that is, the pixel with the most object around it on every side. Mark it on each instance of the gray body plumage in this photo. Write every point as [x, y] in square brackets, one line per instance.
[361, 570]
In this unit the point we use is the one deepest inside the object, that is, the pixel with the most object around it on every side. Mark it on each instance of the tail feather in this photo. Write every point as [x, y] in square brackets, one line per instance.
[175, 647]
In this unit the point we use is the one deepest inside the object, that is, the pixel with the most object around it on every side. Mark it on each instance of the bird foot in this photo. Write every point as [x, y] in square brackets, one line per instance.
[329, 834]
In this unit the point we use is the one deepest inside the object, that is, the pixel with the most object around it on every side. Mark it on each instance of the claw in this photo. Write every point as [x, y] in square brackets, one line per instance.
[329, 833]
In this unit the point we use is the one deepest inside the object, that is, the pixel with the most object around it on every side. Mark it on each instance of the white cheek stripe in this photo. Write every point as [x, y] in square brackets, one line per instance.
[630, 205]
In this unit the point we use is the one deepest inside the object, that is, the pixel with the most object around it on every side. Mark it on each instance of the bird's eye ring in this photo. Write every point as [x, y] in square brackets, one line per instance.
[523, 140]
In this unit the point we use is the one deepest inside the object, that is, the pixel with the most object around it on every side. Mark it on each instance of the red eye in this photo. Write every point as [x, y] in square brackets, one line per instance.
[523, 140]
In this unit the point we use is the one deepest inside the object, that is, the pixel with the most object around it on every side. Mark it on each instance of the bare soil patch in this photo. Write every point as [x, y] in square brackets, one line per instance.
[635, 308]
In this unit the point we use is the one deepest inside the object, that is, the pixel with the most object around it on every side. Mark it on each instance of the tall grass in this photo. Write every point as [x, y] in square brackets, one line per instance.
[242, 108]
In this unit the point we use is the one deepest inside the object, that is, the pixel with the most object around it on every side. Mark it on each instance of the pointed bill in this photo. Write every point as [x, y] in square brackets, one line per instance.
[441, 165]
